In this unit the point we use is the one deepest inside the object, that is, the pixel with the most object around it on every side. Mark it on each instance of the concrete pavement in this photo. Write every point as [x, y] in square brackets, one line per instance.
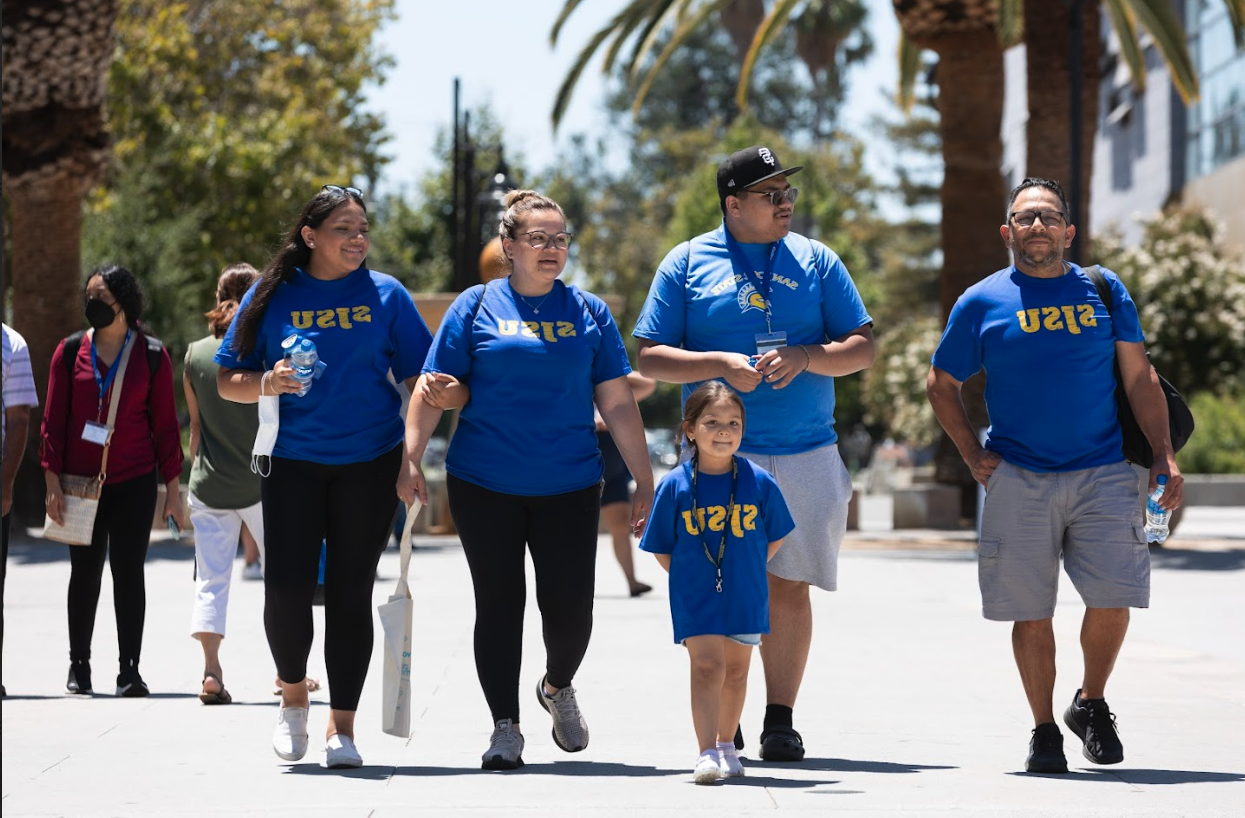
[911, 704]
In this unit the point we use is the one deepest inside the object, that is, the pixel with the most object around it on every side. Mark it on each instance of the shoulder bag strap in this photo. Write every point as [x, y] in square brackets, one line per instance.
[404, 546]
[113, 402]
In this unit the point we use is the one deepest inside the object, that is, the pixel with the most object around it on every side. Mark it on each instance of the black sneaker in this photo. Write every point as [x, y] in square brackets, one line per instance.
[1046, 750]
[131, 685]
[79, 680]
[1094, 722]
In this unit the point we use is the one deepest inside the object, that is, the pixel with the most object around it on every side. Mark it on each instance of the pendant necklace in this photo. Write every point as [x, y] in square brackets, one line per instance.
[536, 308]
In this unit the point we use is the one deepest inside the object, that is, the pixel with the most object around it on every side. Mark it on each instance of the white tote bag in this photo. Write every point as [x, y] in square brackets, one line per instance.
[395, 620]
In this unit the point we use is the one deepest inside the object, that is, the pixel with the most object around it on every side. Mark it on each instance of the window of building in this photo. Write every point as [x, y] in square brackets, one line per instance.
[1216, 123]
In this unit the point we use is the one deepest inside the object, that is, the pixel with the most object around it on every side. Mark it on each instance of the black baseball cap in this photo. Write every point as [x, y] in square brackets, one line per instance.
[750, 166]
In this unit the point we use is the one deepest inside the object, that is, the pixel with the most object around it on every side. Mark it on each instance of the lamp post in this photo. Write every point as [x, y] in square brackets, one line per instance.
[478, 201]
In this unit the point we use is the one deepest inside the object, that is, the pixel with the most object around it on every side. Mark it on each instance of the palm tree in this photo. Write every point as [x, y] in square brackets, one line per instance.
[822, 27]
[56, 59]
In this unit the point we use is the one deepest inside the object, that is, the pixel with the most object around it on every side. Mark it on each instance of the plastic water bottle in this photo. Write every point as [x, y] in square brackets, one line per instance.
[1157, 517]
[303, 358]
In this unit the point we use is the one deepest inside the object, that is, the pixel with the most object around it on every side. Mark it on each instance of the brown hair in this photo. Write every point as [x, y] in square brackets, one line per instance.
[519, 203]
[233, 283]
[705, 394]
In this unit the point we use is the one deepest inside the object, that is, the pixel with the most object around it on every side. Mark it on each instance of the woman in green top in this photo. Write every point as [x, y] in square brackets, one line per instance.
[224, 493]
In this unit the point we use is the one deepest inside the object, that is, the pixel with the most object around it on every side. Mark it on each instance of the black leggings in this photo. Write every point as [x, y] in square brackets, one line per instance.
[351, 507]
[122, 534]
[561, 533]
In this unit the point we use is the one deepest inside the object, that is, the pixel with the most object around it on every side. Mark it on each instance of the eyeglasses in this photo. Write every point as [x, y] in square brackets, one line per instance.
[354, 191]
[776, 197]
[1050, 218]
[540, 240]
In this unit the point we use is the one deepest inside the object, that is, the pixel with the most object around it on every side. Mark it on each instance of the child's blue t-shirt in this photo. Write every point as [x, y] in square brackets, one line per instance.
[364, 326]
[528, 428]
[761, 517]
[1048, 348]
[715, 307]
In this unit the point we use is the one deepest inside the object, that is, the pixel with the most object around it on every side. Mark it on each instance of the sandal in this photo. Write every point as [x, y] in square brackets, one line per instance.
[220, 697]
[781, 743]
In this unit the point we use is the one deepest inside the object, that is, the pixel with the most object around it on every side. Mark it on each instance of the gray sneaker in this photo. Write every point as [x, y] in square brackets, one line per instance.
[570, 731]
[505, 748]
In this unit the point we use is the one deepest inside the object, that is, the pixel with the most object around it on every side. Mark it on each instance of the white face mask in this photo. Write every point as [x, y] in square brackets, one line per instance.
[266, 437]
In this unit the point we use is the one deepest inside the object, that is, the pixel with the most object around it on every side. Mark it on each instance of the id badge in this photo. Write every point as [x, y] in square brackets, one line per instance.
[770, 340]
[96, 433]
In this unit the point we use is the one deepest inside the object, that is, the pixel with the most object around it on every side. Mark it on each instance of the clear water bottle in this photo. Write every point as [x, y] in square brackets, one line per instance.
[303, 358]
[1157, 517]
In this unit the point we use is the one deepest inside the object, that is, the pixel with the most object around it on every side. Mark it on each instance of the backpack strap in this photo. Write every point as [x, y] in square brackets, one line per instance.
[155, 350]
[69, 353]
[1094, 272]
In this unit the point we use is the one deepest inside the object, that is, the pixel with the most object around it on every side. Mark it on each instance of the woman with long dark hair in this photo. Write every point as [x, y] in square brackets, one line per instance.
[145, 442]
[336, 451]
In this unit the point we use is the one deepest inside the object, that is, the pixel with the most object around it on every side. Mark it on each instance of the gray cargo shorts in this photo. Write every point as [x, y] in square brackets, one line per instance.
[1090, 517]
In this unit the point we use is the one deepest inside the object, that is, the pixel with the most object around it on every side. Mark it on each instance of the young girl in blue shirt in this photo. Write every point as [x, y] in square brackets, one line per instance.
[716, 521]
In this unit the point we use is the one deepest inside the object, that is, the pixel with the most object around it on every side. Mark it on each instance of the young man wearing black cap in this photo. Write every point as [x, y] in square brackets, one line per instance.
[776, 316]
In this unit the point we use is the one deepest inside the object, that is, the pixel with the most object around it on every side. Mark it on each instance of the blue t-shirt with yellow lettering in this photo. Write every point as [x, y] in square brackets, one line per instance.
[528, 428]
[1048, 348]
[364, 326]
[760, 517]
[698, 301]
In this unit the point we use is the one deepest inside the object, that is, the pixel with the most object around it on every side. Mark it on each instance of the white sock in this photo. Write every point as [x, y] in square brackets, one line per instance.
[727, 748]
[709, 754]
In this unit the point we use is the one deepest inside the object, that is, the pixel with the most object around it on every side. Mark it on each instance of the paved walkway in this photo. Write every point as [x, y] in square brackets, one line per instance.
[911, 704]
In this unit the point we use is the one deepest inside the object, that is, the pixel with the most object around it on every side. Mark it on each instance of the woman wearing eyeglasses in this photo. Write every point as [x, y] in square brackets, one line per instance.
[337, 447]
[524, 470]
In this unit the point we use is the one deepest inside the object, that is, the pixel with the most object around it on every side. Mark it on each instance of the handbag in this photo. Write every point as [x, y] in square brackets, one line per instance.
[1179, 417]
[395, 620]
[82, 493]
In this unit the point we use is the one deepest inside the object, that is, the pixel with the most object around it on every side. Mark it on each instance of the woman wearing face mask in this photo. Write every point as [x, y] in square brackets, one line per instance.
[144, 447]
[335, 450]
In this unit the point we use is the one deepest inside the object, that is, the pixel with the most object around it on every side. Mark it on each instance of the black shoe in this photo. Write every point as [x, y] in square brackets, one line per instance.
[318, 597]
[131, 685]
[1094, 722]
[739, 738]
[1046, 750]
[781, 743]
[79, 680]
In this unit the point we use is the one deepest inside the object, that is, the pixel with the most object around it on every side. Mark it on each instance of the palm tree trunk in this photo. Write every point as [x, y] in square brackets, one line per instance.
[1049, 80]
[741, 19]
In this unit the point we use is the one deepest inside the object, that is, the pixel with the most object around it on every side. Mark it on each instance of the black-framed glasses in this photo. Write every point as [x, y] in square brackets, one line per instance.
[540, 240]
[1050, 218]
[339, 189]
[777, 197]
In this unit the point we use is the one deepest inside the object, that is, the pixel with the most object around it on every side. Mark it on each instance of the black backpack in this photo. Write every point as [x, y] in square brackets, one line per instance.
[154, 352]
[1179, 418]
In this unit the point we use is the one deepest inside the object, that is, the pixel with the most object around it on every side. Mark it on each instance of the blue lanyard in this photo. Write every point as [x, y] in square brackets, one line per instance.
[105, 381]
[767, 277]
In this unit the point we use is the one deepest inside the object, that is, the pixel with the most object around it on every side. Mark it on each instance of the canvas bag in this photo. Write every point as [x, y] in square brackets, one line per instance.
[395, 620]
[82, 493]
[1179, 417]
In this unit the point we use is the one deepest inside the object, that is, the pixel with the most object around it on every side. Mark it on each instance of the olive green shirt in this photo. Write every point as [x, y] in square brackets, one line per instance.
[221, 475]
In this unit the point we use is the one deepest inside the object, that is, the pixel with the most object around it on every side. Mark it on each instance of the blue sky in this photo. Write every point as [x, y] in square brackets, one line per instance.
[501, 52]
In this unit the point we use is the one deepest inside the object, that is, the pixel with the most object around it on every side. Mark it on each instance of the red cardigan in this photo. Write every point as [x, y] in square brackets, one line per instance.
[147, 434]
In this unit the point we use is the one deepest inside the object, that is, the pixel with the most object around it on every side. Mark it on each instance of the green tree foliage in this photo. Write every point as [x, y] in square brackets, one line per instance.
[1189, 288]
[1218, 443]
[226, 116]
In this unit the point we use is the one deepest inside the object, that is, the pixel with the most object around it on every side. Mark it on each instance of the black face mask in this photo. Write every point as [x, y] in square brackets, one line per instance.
[99, 314]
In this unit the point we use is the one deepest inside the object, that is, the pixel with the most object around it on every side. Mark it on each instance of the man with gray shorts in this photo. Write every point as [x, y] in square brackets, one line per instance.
[1057, 484]
[776, 316]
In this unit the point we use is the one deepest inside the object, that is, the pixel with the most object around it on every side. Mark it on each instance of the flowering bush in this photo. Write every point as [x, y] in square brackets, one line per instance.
[1190, 293]
[895, 384]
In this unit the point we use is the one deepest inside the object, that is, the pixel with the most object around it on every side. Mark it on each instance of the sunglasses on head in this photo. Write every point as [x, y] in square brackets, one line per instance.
[354, 191]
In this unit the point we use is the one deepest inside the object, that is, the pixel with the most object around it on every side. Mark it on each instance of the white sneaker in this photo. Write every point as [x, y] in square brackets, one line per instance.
[251, 571]
[289, 739]
[730, 765]
[340, 753]
[708, 768]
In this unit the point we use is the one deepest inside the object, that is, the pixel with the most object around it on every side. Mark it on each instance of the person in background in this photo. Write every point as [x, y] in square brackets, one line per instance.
[19, 394]
[145, 443]
[616, 490]
[523, 468]
[337, 448]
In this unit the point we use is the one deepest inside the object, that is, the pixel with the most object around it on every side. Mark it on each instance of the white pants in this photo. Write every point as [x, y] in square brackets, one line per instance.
[216, 546]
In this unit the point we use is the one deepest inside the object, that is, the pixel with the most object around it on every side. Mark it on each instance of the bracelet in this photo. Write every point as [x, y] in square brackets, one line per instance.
[808, 359]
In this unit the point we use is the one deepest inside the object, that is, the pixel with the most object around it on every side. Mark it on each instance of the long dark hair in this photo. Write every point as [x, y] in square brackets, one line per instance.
[292, 254]
[124, 288]
[233, 283]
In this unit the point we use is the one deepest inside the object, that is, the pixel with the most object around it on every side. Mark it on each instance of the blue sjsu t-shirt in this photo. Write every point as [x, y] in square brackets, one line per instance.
[1048, 348]
[708, 305]
[760, 518]
[364, 326]
[528, 428]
